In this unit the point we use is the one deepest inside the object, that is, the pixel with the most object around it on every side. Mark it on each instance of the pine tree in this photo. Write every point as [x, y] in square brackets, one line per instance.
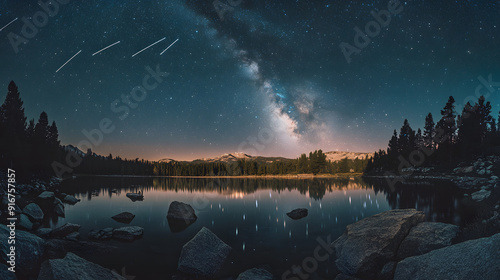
[393, 147]
[447, 125]
[429, 132]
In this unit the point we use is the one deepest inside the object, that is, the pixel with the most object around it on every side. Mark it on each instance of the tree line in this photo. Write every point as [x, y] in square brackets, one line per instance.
[28, 147]
[455, 137]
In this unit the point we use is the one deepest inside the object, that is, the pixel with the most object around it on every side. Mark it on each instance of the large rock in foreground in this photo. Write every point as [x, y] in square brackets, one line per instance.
[426, 237]
[255, 274]
[128, 233]
[474, 259]
[366, 246]
[73, 267]
[203, 255]
[29, 250]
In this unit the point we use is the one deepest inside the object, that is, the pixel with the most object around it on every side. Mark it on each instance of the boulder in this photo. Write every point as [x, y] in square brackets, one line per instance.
[468, 169]
[481, 195]
[43, 232]
[34, 212]
[46, 195]
[367, 245]
[25, 222]
[74, 236]
[297, 213]
[5, 274]
[58, 207]
[345, 277]
[69, 199]
[128, 233]
[124, 217]
[180, 216]
[203, 255]
[135, 196]
[181, 211]
[426, 237]
[64, 230]
[29, 250]
[103, 234]
[73, 267]
[473, 259]
[255, 274]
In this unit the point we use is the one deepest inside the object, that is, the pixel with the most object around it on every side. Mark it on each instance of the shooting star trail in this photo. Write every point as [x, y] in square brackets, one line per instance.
[68, 60]
[149, 46]
[8, 24]
[106, 48]
[169, 46]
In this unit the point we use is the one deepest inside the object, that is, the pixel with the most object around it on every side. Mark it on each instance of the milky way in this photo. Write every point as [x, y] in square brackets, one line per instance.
[264, 77]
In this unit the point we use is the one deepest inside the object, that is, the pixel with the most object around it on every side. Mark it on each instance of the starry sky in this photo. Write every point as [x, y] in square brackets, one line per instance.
[262, 77]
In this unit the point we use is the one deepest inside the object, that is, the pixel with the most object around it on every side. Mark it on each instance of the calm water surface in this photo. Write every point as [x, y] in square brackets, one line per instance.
[247, 214]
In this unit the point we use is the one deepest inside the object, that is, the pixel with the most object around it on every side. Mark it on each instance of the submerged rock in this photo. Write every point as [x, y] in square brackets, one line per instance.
[203, 255]
[73, 267]
[33, 211]
[124, 217]
[367, 245]
[473, 259]
[135, 196]
[128, 233]
[255, 274]
[297, 213]
[29, 250]
[426, 237]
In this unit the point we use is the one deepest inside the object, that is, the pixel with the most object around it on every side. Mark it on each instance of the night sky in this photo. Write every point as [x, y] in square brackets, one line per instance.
[268, 78]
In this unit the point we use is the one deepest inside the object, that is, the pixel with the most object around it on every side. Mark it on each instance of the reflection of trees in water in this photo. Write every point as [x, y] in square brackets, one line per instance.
[439, 201]
[315, 187]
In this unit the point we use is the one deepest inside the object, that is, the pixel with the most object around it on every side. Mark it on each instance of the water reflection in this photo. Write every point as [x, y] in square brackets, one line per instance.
[248, 214]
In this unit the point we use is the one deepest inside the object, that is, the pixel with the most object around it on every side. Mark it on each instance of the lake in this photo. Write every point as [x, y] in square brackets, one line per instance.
[247, 214]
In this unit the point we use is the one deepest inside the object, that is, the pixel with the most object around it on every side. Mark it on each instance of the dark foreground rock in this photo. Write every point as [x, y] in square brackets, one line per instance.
[124, 217]
[128, 233]
[29, 250]
[69, 199]
[5, 274]
[103, 234]
[203, 255]
[73, 267]
[297, 213]
[34, 212]
[64, 230]
[474, 259]
[255, 274]
[135, 196]
[366, 246]
[426, 237]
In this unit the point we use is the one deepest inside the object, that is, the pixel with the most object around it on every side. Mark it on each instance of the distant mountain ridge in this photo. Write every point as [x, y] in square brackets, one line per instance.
[233, 157]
